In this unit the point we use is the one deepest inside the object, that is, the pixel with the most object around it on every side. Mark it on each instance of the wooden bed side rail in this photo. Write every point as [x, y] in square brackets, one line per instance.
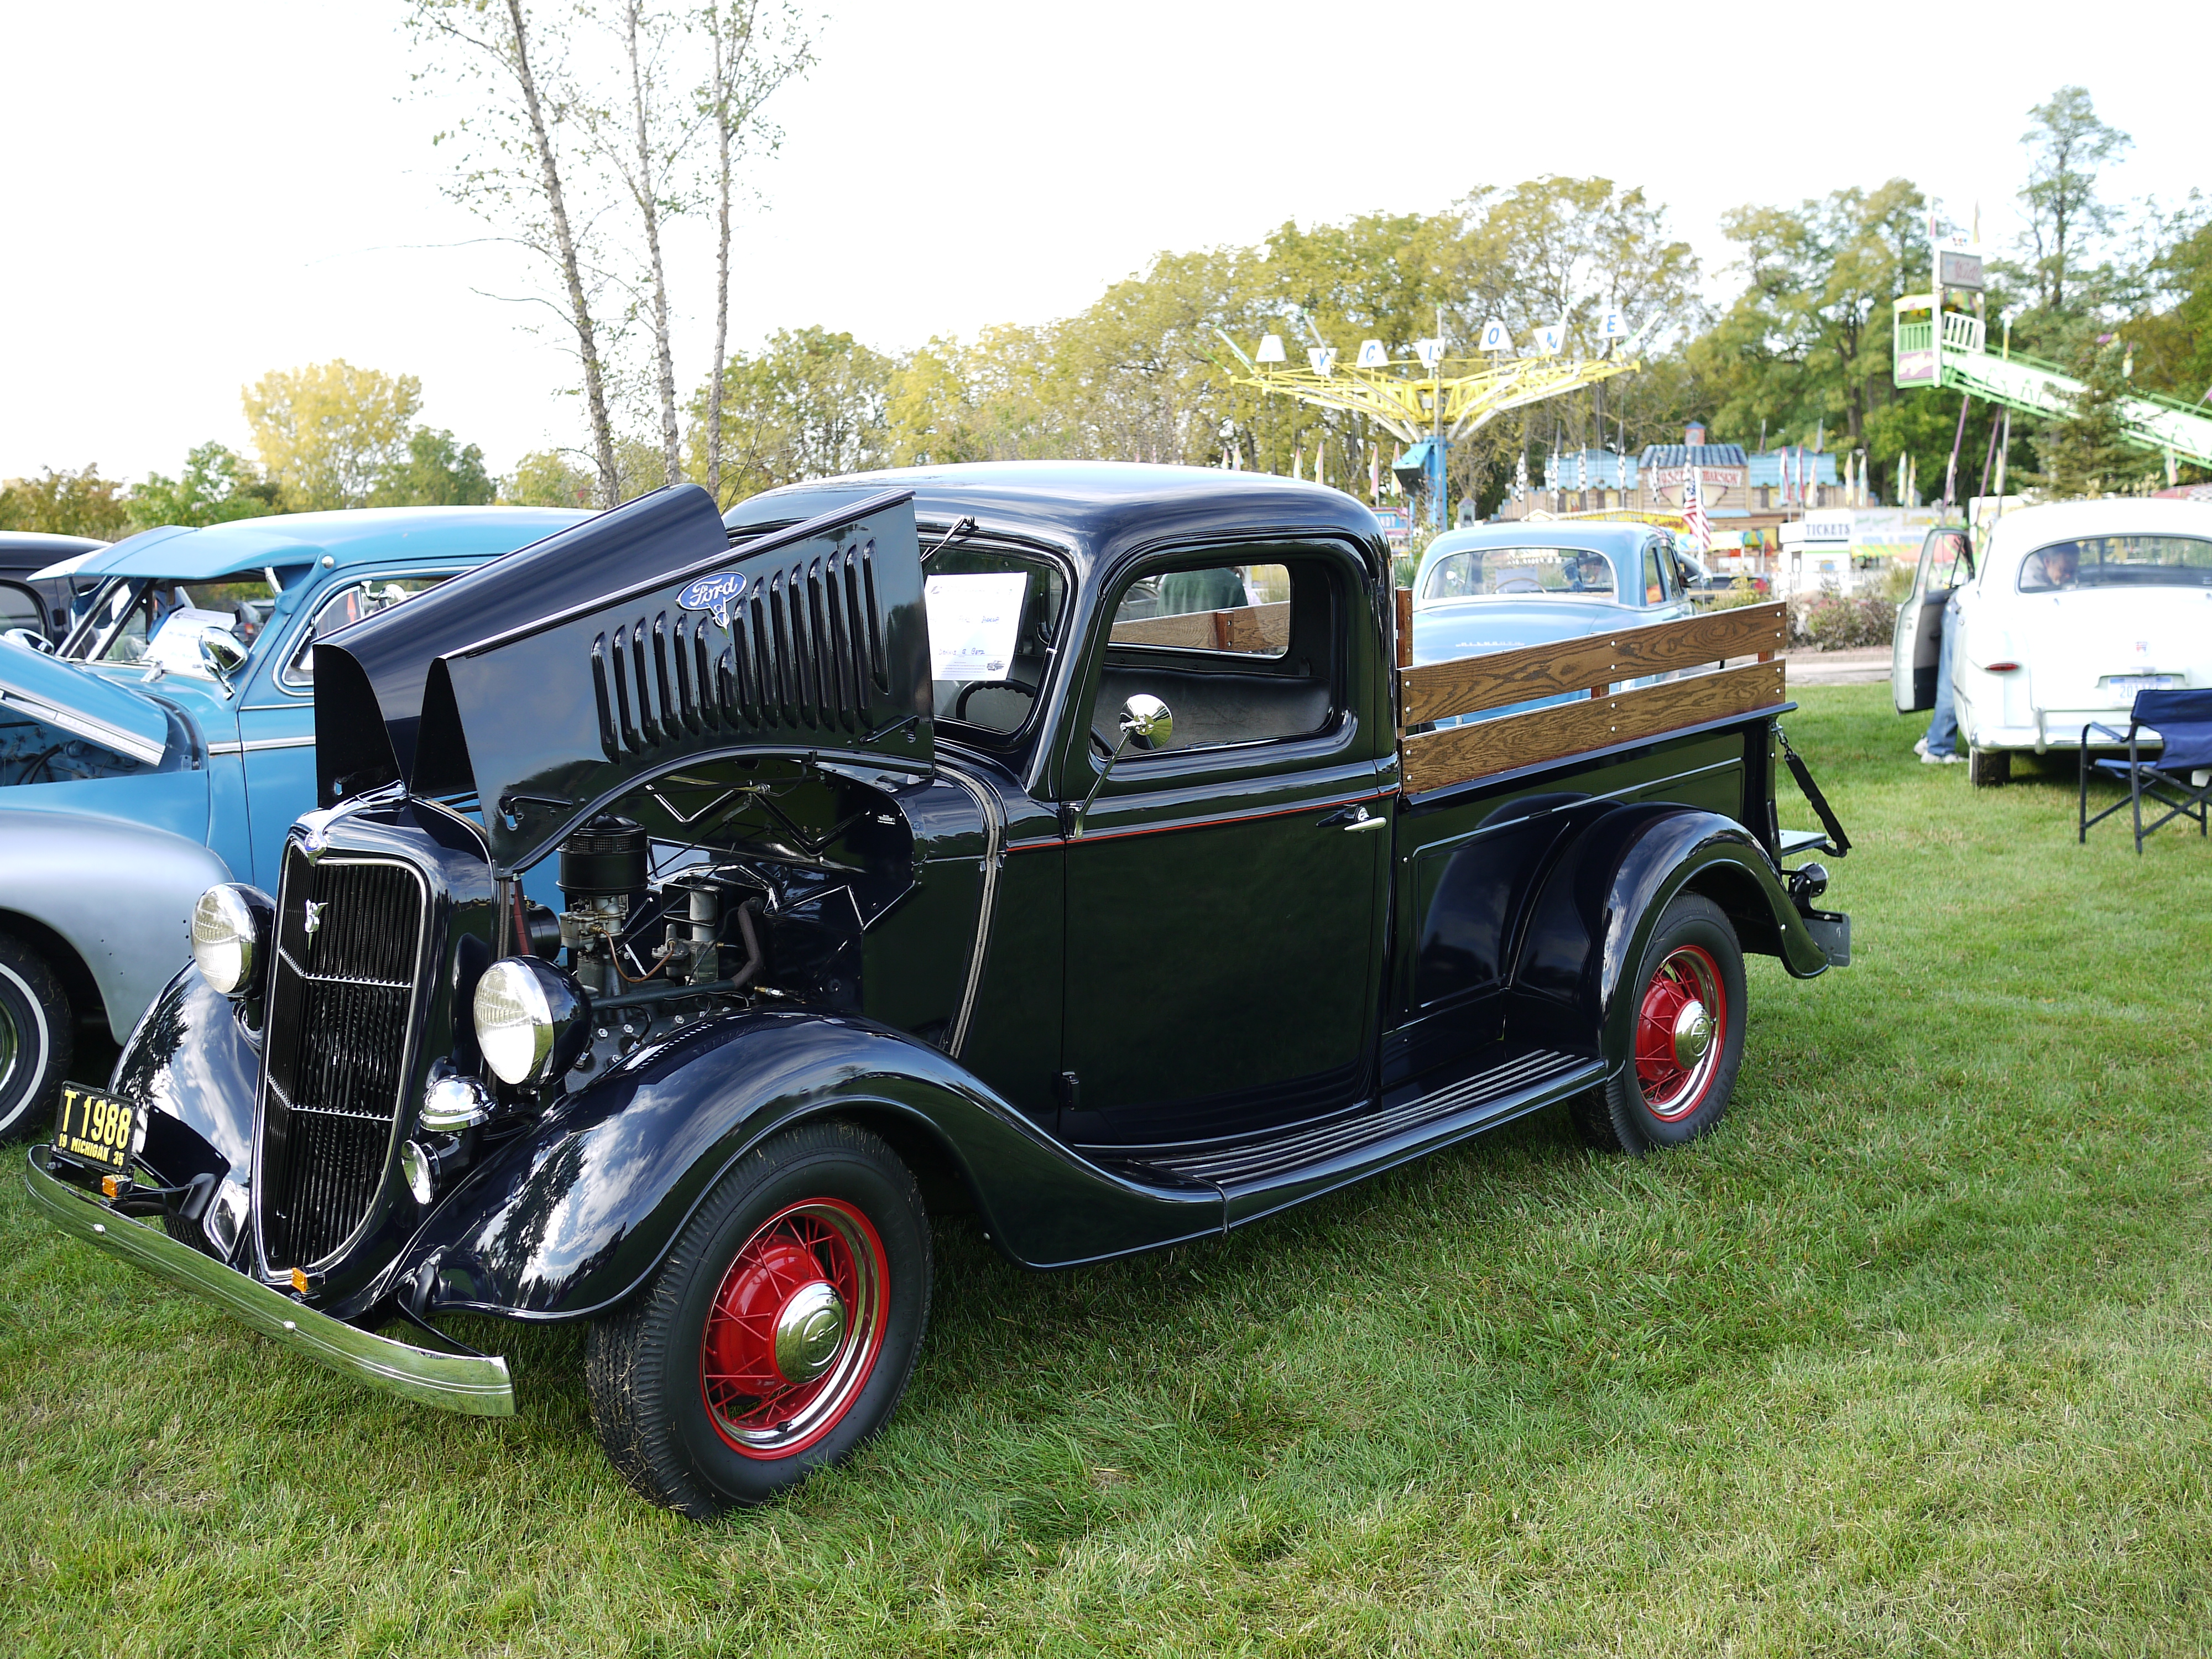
[1468, 685]
[1481, 748]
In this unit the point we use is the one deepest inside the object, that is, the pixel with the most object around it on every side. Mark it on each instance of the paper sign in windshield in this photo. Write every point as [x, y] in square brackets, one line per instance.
[973, 620]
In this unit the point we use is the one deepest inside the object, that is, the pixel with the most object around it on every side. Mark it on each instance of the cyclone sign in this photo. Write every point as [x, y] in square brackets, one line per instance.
[713, 593]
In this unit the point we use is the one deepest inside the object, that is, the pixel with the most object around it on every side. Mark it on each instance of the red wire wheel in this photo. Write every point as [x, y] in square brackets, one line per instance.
[1681, 1033]
[794, 1329]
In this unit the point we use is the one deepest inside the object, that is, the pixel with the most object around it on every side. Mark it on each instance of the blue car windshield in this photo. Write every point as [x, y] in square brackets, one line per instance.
[1551, 572]
[154, 620]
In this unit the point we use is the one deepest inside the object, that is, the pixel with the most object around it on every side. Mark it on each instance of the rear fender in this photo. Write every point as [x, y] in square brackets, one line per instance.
[568, 1219]
[1595, 912]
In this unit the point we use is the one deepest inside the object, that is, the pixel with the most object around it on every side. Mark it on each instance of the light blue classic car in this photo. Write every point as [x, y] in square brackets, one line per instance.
[167, 744]
[1496, 587]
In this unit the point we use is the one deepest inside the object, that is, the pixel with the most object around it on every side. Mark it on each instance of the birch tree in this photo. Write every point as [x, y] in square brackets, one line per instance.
[755, 49]
[643, 145]
[513, 168]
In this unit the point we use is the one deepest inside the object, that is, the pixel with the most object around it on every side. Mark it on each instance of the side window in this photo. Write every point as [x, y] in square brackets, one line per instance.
[1658, 572]
[20, 608]
[349, 603]
[1949, 564]
[1241, 654]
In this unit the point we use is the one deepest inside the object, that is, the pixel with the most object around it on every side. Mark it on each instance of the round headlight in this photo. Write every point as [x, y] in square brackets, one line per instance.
[530, 1019]
[226, 937]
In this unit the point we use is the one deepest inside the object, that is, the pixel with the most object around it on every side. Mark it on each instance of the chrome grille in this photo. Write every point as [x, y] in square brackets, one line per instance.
[340, 1002]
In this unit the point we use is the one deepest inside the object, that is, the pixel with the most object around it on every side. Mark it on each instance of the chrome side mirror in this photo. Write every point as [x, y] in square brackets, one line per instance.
[223, 653]
[1145, 721]
[31, 640]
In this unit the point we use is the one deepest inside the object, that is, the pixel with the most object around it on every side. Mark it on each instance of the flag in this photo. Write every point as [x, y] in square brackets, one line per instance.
[1693, 512]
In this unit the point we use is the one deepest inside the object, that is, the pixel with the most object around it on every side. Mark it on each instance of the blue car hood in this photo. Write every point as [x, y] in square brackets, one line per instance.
[81, 703]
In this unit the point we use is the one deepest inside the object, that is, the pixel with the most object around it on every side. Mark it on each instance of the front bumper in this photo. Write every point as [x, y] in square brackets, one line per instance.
[476, 1384]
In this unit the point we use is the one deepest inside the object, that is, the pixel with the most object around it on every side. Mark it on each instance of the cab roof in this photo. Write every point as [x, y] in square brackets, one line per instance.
[1096, 510]
[358, 536]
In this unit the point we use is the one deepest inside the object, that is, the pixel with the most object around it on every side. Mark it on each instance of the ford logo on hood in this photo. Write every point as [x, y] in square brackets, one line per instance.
[713, 594]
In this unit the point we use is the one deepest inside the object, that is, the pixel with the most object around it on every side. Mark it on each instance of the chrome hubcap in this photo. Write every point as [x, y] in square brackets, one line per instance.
[1693, 1034]
[808, 1331]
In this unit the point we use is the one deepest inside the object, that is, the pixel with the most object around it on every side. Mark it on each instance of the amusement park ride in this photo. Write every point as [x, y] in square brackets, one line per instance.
[1940, 348]
[1429, 400]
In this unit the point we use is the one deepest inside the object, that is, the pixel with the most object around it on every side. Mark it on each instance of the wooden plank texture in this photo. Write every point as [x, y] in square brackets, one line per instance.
[1434, 759]
[1252, 629]
[1438, 691]
[1405, 602]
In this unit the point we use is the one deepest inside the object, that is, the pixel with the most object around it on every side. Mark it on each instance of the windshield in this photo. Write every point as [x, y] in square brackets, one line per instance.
[995, 620]
[158, 622]
[1562, 572]
[2117, 561]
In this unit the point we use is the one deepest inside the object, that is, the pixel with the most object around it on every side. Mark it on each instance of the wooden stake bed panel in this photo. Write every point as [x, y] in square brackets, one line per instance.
[1437, 691]
[1434, 759]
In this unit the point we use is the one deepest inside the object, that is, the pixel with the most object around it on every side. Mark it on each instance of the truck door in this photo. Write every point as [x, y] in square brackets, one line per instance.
[1946, 561]
[1223, 897]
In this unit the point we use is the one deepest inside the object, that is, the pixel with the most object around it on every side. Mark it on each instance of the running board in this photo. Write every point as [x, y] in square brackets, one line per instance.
[1262, 1175]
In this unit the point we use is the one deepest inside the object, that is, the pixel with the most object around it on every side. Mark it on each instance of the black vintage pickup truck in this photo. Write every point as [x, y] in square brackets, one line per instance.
[1067, 843]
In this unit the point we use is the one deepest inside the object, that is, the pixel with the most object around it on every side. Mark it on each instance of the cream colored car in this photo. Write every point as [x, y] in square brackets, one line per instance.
[2074, 609]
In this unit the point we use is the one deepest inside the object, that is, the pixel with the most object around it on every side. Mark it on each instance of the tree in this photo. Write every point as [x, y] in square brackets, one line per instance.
[753, 52]
[1807, 341]
[2086, 454]
[550, 477]
[2065, 144]
[437, 470]
[2173, 338]
[218, 485]
[643, 146]
[808, 404]
[569, 477]
[80, 503]
[513, 169]
[328, 433]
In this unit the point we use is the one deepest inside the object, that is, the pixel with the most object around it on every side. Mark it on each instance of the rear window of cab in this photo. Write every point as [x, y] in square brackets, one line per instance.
[2117, 561]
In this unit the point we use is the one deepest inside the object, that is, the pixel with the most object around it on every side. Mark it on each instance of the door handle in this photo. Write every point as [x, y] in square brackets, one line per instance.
[1354, 818]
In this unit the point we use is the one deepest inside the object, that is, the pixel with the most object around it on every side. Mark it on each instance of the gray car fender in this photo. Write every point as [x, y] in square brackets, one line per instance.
[120, 894]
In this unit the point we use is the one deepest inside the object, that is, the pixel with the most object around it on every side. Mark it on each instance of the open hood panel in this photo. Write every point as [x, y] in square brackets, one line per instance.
[81, 703]
[550, 680]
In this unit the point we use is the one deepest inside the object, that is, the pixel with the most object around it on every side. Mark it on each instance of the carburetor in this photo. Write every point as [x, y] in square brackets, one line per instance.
[602, 873]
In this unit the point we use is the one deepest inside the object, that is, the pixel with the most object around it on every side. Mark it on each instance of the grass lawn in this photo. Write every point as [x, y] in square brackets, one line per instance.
[1913, 1355]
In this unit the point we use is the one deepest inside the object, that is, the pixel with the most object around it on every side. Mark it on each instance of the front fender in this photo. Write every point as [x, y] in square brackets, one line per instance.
[1596, 912]
[189, 1060]
[573, 1215]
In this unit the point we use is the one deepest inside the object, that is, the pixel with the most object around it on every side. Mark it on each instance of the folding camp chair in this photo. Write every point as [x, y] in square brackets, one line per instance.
[2178, 778]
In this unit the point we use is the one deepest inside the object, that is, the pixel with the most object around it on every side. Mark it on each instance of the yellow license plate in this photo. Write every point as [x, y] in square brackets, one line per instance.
[95, 1126]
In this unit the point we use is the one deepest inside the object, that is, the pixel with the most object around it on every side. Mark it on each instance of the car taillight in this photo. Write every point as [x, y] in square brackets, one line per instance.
[2002, 667]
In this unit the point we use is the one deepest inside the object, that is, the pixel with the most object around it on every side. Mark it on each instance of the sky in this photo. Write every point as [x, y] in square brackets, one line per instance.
[204, 193]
